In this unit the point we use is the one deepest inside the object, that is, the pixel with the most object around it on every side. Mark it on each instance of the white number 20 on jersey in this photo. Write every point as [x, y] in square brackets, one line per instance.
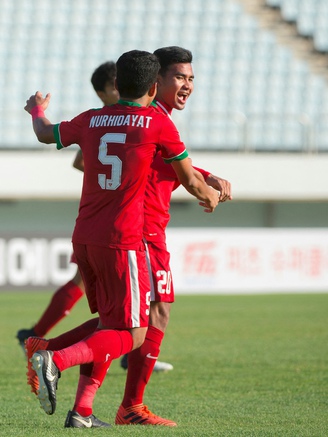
[115, 181]
[164, 281]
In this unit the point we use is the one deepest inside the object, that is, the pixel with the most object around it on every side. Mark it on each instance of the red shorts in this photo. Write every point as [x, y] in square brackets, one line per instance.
[116, 284]
[161, 285]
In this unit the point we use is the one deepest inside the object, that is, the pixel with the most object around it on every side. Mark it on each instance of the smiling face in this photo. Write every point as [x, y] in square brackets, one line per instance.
[175, 87]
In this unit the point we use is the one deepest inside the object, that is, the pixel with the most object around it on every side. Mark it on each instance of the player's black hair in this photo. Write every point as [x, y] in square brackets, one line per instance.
[102, 75]
[172, 55]
[136, 72]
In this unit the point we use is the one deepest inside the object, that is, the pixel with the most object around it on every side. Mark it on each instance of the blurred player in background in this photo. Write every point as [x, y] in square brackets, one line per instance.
[107, 239]
[175, 84]
[64, 299]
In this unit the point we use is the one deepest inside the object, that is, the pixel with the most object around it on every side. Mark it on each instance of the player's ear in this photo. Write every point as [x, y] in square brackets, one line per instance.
[153, 90]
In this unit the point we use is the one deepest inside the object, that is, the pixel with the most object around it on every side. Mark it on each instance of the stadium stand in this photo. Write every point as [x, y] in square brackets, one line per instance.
[310, 17]
[252, 93]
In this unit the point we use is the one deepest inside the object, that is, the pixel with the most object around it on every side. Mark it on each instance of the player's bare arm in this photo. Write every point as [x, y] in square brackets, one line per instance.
[221, 185]
[78, 162]
[194, 183]
[43, 128]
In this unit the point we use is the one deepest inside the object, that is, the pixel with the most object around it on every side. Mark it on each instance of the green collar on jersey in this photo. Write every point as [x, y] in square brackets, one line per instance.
[127, 103]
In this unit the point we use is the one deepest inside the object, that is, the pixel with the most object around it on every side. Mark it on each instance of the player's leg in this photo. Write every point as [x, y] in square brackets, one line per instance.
[33, 344]
[141, 361]
[162, 292]
[63, 300]
[60, 306]
[158, 318]
[99, 348]
[161, 324]
[126, 324]
[91, 377]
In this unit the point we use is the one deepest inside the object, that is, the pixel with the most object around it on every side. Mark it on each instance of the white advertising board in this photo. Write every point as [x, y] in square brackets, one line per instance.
[218, 260]
[203, 260]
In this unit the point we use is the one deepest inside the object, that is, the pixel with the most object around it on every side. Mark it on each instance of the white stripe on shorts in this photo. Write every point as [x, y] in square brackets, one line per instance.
[152, 285]
[135, 292]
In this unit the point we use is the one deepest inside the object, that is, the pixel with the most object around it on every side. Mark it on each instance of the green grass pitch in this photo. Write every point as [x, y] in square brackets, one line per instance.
[243, 366]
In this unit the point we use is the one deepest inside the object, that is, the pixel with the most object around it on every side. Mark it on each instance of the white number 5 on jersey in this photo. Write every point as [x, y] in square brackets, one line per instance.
[115, 181]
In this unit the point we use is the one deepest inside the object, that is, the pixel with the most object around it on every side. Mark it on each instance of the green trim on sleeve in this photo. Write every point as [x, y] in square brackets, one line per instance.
[180, 157]
[56, 132]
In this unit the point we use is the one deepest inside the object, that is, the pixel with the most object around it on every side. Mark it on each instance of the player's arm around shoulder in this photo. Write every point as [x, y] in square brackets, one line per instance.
[194, 183]
[43, 128]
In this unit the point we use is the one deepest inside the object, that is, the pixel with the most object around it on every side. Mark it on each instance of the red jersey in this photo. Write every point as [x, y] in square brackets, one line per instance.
[118, 143]
[162, 181]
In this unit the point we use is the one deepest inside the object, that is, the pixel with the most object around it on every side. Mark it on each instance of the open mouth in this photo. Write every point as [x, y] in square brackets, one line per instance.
[182, 97]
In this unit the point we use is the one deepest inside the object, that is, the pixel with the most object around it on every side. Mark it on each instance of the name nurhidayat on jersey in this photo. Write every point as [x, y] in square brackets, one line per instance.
[120, 120]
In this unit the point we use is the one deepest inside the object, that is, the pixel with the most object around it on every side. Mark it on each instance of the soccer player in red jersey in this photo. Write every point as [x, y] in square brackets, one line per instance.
[63, 300]
[118, 145]
[103, 82]
[175, 85]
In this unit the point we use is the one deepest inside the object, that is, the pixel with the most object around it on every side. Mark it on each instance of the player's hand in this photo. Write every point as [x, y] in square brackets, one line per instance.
[221, 185]
[211, 203]
[37, 100]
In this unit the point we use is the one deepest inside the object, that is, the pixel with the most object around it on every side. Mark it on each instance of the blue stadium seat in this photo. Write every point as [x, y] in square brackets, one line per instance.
[240, 68]
[290, 10]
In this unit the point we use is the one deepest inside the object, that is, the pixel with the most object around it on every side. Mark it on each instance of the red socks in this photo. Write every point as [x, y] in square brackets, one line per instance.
[73, 336]
[100, 347]
[141, 364]
[60, 305]
[86, 392]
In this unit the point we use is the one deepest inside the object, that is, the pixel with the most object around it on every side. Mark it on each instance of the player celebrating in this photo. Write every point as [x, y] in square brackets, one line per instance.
[175, 85]
[175, 79]
[118, 145]
[63, 300]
